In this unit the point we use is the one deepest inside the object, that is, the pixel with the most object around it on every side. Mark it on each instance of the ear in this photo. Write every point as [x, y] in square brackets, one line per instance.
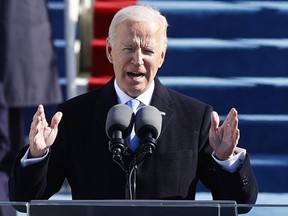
[108, 51]
[162, 58]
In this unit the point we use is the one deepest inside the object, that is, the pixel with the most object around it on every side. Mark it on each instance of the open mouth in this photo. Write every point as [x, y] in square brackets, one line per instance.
[135, 74]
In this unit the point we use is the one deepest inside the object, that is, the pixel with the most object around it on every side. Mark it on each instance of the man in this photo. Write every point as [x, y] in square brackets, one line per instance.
[4, 150]
[191, 147]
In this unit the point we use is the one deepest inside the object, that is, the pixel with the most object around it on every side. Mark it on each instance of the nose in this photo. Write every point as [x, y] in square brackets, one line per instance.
[138, 58]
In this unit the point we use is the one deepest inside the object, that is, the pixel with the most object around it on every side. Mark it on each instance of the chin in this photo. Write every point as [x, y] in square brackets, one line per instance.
[135, 92]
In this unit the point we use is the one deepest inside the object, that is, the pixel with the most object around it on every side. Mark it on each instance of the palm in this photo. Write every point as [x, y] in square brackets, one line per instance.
[224, 139]
[42, 136]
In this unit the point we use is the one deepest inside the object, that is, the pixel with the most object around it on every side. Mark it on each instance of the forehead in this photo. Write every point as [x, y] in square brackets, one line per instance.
[136, 30]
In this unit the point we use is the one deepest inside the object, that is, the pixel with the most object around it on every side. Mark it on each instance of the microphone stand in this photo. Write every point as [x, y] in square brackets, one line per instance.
[146, 149]
[116, 146]
[132, 180]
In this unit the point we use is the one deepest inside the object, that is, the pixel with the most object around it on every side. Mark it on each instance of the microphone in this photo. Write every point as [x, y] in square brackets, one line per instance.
[119, 124]
[148, 124]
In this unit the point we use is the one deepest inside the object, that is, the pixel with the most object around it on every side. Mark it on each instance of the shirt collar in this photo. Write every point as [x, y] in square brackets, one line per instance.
[144, 98]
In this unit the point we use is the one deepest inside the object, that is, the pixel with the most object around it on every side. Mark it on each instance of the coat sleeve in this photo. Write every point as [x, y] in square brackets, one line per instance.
[240, 186]
[27, 183]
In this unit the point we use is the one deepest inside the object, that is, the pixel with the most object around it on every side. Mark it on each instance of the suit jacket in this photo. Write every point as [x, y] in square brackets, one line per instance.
[182, 157]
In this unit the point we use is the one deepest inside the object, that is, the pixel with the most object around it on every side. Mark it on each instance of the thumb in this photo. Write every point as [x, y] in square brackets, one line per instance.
[56, 120]
[214, 120]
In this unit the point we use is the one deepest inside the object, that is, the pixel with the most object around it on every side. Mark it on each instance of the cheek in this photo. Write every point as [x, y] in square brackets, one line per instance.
[122, 60]
[153, 66]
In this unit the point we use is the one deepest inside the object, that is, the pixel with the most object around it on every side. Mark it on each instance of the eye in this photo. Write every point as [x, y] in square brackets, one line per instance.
[128, 49]
[148, 51]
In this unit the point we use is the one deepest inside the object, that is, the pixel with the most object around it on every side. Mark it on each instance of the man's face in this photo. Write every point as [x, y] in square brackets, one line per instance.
[136, 55]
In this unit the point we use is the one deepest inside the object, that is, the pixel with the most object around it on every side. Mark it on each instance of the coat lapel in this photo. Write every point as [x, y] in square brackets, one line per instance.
[163, 102]
[106, 99]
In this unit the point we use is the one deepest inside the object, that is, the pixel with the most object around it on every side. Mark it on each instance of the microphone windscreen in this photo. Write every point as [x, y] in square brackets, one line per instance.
[148, 120]
[119, 118]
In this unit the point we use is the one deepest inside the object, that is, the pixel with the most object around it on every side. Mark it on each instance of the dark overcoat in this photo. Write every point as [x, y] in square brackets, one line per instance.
[182, 156]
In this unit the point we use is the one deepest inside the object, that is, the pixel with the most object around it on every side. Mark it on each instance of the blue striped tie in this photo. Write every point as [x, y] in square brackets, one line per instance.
[133, 139]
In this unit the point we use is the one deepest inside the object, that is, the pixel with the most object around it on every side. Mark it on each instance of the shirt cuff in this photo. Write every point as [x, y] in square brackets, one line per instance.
[25, 161]
[234, 162]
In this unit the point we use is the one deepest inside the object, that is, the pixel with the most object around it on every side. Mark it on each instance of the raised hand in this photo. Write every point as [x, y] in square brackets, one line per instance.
[224, 138]
[41, 135]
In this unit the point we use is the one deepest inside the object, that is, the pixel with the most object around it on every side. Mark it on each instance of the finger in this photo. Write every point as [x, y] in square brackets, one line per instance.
[234, 123]
[36, 124]
[56, 120]
[35, 119]
[39, 116]
[214, 120]
[39, 112]
[232, 114]
[233, 119]
[41, 124]
[237, 135]
[42, 115]
[32, 133]
[36, 129]
[229, 121]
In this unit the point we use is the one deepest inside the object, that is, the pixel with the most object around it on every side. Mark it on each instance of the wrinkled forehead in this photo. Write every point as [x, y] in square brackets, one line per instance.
[145, 34]
[142, 27]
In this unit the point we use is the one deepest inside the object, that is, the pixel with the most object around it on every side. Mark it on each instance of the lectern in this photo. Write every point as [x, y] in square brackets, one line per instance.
[132, 208]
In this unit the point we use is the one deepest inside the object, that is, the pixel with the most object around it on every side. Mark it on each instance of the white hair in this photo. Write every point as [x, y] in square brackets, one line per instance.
[138, 13]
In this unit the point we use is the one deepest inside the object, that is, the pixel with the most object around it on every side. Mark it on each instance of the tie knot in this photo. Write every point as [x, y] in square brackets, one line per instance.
[134, 104]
